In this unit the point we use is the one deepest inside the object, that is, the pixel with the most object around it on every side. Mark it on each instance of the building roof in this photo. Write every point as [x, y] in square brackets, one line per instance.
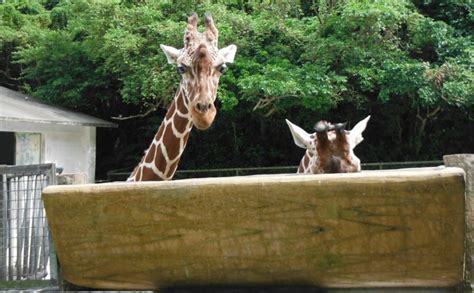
[16, 106]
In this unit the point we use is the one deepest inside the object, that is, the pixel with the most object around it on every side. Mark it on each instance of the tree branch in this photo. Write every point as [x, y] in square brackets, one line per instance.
[265, 102]
[432, 113]
[12, 85]
[150, 110]
[319, 18]
[7, 75]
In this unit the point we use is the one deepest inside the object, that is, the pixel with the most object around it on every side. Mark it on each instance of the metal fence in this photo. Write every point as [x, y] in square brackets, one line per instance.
[26, 249]
[121, 175]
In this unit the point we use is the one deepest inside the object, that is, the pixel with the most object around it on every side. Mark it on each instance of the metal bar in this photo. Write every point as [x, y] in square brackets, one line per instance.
[20, 232]
[14, 231]
[25, 236]
[7, 230]
[34, 235]
[25, 230]
[31, 264]
[237, 169]
[25, 170]
[10, 229]
[25, 253]
[30, 223]
[3, 263]
[43, 247]
[53, 261]
[240, 171]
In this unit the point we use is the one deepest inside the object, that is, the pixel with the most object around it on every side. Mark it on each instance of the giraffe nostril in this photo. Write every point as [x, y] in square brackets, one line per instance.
[203, 107]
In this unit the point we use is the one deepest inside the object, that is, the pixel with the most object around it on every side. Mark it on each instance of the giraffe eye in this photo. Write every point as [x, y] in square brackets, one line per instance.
[182, 68]
[222, 68]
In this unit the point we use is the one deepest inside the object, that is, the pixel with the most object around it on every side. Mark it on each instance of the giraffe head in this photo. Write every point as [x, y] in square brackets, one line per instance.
[330, 149]
[200, 63]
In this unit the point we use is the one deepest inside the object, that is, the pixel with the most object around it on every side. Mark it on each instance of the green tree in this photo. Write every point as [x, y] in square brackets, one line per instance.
[407, 63]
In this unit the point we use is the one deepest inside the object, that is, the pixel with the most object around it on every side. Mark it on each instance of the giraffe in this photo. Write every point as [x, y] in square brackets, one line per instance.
[200, 64]
[330, 149]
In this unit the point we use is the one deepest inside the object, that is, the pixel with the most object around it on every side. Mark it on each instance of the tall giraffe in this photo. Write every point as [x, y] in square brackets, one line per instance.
[330, 149]
[200, 64]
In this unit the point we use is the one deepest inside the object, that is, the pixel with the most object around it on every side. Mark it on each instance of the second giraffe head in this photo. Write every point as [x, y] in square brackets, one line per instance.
[201, 63]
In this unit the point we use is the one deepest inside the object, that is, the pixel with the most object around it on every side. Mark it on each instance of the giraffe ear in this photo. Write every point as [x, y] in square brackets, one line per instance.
[301, 137]
[355, 135]
[228, 53]
[171, 53]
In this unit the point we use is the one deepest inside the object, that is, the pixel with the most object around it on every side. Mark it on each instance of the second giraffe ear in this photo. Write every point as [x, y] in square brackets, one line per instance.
[228, 53]
[171, 53]
[301, 137]
[356, 132]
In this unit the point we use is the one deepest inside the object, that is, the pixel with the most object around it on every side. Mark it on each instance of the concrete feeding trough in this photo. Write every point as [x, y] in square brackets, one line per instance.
[393, 228]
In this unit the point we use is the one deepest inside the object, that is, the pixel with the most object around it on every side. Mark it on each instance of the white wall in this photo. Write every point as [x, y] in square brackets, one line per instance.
[74, 151]
[71, 147]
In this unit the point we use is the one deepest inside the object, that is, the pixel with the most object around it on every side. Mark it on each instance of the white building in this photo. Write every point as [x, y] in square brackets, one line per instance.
[32, 132]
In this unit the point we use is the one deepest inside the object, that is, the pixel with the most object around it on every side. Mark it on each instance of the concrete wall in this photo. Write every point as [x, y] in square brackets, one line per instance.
[73, 151]
[70, 147]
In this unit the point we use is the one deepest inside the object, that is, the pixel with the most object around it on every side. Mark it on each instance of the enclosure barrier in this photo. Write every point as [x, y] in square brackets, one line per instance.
[395, 228]
[122, 174]
[25, 251]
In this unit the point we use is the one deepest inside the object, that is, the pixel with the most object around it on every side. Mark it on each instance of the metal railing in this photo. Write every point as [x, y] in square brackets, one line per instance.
[25, 255]
[121, 175]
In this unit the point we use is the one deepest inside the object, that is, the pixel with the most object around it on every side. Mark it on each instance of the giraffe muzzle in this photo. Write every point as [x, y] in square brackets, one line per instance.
[203, 115]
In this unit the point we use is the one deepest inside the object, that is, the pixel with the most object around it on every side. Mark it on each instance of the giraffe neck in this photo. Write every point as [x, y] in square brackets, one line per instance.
[161, 159]
[305, 163]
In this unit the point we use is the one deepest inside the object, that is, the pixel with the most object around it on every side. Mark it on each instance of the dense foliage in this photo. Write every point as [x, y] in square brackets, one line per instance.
[407, 63]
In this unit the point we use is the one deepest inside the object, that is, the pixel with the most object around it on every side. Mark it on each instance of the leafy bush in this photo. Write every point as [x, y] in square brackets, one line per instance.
[409, 64]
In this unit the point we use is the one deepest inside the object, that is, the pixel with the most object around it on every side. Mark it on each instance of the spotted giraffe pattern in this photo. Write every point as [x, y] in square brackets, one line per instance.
[330, 151]
[331, 156]
[306, 162]
[201, 64]
[162, 157]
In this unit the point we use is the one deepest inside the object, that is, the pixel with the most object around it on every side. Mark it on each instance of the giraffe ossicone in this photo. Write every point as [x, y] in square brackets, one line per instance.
[330, 149]
[200, 63]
